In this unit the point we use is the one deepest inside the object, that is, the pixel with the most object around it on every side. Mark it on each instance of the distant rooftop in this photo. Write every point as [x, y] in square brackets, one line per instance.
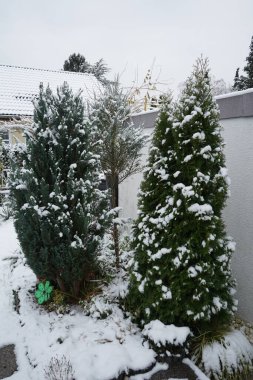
[19, 86]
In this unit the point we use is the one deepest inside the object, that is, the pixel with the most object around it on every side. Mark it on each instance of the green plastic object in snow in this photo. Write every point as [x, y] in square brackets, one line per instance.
[43, 293]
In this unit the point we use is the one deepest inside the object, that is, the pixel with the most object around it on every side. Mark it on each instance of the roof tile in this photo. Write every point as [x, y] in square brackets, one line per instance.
[20, 85]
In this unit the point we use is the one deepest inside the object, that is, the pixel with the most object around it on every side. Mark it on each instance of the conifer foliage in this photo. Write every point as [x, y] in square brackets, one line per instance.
[181, 271]
[122, 141]
[60, 214]
[239, 81]
[249, 66]
[78, 63]
[243, 82]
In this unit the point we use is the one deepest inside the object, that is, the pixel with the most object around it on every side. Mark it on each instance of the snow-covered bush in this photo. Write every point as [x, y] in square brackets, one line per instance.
[106, 257]
[59, 369]
[6, 211]
[60, 214]
[181, 273]
[168, 337]
[228, 357]
[113, 289]
[1, 157]
[99, 307]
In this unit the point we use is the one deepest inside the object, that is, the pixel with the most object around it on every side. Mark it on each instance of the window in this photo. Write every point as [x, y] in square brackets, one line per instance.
[4, 135]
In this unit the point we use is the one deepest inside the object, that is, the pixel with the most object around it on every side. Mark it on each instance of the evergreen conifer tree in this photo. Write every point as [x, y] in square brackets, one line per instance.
[77, 63]
[60, 214]
[249, 66]
[244, 82]
[239, 81]
[1, 164]
[182, 270]
[99, 69]
[150, 290]
[122, 141]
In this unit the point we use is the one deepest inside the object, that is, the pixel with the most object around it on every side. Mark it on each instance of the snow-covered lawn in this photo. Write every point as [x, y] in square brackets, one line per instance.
[97, 349]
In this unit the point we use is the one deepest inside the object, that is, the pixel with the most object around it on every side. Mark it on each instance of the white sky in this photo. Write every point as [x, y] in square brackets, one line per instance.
[129, 35]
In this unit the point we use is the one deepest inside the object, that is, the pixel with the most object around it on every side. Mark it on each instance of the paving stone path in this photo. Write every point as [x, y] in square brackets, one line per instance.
[8, 364]
[176, 370]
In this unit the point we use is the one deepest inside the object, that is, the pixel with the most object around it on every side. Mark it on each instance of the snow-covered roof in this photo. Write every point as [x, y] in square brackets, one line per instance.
[20, 85]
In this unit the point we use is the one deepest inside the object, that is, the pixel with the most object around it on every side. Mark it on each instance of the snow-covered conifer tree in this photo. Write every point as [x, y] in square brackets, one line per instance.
[99, 69]
[182, 271]
[1, 165]
[150, 288]
[60, 213]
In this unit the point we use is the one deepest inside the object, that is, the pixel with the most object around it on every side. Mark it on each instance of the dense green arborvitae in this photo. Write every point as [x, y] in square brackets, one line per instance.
[182, 271]
[60, 213]
[150, 288]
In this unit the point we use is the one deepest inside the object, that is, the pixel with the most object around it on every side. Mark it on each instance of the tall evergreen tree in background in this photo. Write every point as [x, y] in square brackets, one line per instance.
[122, 141]
[244, 82]
[60, 214]
[249, 66]
[184, 277]
[239, 81]
[78, 63]
[99, 69]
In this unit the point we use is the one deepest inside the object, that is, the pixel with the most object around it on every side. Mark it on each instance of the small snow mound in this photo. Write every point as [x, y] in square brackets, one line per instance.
[160, 333]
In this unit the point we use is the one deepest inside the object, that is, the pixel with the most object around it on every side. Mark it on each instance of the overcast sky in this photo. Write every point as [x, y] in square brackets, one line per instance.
[130, 35]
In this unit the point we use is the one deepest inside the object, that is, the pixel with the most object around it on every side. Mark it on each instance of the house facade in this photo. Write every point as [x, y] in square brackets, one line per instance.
[236, 119]
[19, 87]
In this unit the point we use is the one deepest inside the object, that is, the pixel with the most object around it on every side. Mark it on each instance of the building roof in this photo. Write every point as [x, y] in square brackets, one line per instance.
[20, 85]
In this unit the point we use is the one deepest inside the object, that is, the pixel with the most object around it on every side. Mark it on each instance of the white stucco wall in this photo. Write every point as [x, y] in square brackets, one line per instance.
[238, 214]
[129, 188]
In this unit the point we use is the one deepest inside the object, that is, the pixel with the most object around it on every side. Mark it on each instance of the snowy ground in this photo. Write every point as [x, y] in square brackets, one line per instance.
[97, 349]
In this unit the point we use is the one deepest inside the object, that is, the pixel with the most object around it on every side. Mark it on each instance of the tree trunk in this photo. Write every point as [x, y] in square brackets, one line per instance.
[61, 284]
[113, 184]
[76, 288]
[116, 244]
